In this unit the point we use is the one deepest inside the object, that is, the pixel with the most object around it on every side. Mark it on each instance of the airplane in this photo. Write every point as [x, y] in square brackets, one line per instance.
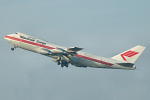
[64, 56]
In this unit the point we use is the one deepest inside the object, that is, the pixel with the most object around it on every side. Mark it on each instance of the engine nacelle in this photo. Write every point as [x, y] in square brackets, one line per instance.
[62, 59]
[54, 59]
[58, 51]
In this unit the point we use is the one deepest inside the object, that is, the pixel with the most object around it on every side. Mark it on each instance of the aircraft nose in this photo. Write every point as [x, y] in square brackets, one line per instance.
[7, 38]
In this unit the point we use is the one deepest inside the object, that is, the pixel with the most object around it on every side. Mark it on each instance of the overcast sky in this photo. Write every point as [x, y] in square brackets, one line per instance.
[102, 27]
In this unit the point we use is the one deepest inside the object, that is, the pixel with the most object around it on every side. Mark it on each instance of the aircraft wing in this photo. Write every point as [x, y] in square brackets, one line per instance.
[64, 55]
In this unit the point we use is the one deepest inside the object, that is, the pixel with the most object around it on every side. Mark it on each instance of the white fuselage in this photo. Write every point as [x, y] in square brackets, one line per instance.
[81, 59]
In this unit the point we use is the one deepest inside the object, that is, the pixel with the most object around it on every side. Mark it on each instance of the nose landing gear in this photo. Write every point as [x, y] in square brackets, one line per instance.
[13, 48]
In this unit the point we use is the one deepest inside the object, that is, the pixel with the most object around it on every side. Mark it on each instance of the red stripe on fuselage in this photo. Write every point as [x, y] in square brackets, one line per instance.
[47, 47]
[29, 42]
[95, 60]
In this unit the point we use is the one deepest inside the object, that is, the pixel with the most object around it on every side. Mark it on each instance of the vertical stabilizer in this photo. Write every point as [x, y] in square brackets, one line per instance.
[131, 55]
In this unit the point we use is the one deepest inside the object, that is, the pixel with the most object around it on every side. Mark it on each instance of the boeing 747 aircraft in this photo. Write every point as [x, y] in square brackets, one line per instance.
[65, 56]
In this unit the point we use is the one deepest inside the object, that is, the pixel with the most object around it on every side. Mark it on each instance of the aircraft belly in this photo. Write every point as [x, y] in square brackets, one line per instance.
[15, 43]
[83, 62]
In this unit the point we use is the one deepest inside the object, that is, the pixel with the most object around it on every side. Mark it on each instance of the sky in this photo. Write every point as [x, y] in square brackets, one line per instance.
[102, 27]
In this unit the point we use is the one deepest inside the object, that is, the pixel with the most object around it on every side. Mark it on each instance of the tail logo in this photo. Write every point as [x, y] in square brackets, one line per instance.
[128, 54]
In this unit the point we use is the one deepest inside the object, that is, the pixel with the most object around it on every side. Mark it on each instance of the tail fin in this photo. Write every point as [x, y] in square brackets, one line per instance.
[131, 55]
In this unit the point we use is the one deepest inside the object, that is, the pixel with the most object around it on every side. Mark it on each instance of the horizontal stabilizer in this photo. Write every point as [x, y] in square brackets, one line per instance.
[126, 64]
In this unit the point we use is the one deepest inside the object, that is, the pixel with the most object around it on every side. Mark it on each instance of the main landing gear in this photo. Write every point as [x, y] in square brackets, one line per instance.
[63, 64]
[12, 49]
[60, 62]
